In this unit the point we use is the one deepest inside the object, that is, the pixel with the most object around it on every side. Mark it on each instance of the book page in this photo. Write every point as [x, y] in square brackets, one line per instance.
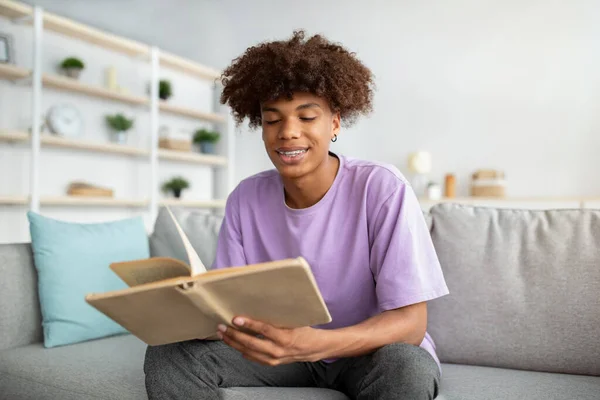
[196, 265]
[154, 269]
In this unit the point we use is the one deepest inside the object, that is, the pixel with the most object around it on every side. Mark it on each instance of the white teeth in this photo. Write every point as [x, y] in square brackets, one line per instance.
[292, 153]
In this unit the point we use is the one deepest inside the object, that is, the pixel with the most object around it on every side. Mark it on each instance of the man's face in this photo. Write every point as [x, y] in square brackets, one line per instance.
[297, 133]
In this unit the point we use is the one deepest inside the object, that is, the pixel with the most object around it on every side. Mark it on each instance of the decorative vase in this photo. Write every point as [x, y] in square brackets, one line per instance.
[73, 72]
[119, 137]
[207, 147]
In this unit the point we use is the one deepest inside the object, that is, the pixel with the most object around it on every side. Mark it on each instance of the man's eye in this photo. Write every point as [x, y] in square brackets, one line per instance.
[272, 122]
[308, 119]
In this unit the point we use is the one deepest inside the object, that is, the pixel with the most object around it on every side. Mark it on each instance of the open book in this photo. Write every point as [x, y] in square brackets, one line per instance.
[169, 301]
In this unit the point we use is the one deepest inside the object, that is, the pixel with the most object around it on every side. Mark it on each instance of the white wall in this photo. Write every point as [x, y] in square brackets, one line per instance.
[513, 85]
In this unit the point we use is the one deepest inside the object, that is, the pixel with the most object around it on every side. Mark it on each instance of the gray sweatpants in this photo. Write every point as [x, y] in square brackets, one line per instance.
[197, 369]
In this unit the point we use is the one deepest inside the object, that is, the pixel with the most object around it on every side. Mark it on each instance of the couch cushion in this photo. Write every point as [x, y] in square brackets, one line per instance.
[72, 260]
[110, 368]
[201, 228]
[20, 318]
[524, 288]
[281, 394]
[463, 382]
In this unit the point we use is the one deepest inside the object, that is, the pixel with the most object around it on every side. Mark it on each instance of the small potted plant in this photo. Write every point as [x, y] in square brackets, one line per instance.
[120, 124]
[175, 185]
[72, 67]
[206, 140]
[164, 89]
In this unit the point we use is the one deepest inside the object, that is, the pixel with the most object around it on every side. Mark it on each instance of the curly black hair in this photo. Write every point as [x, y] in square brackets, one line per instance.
[277, 69]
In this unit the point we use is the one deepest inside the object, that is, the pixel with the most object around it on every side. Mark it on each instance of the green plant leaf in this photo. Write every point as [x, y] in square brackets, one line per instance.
[205, 135]
[119, 122]
[72, 62]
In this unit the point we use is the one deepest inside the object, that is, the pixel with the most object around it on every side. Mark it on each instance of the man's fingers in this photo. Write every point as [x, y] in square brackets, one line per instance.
[251, 342]
[259, 327]
[236, 340]
[260, 358]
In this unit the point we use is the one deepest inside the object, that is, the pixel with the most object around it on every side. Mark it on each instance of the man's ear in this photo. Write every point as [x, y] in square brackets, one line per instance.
[336, 124]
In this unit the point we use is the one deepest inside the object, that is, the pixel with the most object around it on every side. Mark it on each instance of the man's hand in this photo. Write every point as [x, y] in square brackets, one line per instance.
[276, 346]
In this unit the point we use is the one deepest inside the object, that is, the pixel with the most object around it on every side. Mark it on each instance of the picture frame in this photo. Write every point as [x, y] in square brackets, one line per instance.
[7, 51]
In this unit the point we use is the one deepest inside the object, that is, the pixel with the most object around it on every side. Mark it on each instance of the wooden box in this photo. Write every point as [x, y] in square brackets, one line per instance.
[88, 190]
[175, 144]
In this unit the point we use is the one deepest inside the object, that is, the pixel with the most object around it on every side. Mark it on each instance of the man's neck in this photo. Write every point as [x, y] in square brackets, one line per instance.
[308, 190]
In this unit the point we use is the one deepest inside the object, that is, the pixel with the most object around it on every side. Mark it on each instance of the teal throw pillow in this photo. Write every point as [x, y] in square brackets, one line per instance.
[72, 260]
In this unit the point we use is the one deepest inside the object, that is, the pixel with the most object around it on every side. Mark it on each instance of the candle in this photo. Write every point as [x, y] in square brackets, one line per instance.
[111, 78]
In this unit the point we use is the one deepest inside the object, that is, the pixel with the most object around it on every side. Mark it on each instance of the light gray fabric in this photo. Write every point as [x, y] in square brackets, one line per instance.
[201, 228]
[20, 318]
[108, 368]
[428, 219]
[281, 394]
[463, 382]
[524, 288]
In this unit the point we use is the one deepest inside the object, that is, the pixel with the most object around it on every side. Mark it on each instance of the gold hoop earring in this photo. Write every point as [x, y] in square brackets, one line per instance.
[334, 139]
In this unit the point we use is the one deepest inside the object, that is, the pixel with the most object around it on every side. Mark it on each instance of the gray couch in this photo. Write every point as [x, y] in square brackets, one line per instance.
[522, 320]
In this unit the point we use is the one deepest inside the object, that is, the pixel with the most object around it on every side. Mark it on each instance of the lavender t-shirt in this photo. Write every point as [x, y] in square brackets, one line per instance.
[366, 240]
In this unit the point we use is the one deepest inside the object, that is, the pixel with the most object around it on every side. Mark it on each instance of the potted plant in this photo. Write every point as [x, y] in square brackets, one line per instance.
[164, 89]
[206, 140]
[175, 185]
[120, 124]
[72, 67]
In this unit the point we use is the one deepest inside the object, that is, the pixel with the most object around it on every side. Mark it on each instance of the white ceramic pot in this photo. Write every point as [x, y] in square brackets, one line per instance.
[73, 72]
[119, 137]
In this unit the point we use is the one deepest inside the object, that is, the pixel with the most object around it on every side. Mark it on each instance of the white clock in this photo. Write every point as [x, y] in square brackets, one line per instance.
[64, 120]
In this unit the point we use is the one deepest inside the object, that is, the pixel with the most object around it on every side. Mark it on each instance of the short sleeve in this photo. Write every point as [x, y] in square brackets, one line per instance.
[403, 260]
[230, 249]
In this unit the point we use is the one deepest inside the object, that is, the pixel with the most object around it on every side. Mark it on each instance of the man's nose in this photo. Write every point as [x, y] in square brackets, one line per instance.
[289, 130]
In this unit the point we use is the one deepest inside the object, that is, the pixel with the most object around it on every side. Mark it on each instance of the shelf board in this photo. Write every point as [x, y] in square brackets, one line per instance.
[88, 34]
[180, 64]
[109, 202]
[57, 141]
[189, 112]
[12, 10]
[50, 140]
[91, 201]
[76, 30]
[74, 201]
[56, 23]
[193, 203]
[13, 200]
[75, 86]
[190, 157]
[11, 72]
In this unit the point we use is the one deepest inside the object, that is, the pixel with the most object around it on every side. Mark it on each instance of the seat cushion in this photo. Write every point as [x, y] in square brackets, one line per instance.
[281, 394]
[463, 382]
[110, 368]
[523, 286]
[20, 317]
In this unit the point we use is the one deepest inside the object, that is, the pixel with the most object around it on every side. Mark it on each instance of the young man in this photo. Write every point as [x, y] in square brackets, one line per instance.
[357, 223]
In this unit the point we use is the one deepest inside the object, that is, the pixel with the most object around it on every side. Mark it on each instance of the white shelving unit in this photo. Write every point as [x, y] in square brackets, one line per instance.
[38, 81]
